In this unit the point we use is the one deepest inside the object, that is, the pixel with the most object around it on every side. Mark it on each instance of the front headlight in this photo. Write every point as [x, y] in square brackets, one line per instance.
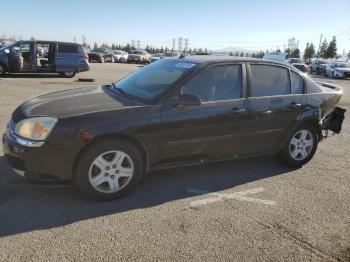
[36, 128]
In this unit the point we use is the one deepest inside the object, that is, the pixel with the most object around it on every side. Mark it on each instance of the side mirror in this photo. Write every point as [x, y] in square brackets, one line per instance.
[7, 51]
[187, 100]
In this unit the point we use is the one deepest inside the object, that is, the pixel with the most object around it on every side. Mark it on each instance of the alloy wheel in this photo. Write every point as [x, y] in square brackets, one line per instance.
[111, 171]
[301, 145]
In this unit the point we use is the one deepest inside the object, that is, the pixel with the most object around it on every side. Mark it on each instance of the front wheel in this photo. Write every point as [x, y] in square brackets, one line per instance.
[108, 170]
[68, 74]
[2, 69]
[301, 146]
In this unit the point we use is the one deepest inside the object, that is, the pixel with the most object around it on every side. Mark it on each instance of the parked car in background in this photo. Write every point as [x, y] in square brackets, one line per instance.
[105, 52]
[96, 57]
[174, 112]
[279, 57]
[120, 56]
[40, 51]
[156, 57]
[139, 56]
[298, 64]
[318, 66]
[338, 69]
[108, 58]
[170, 54]
[64, 58]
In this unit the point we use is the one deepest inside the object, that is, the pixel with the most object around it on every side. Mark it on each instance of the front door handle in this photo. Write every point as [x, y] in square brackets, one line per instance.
[295, 105]
[237, 110]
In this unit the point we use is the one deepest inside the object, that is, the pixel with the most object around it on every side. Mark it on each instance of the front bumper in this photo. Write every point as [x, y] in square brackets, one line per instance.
[42, 162]
[134, 59]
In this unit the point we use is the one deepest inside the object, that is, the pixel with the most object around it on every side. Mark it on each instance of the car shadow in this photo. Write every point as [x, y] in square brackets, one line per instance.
[30, 75]
[26, 207]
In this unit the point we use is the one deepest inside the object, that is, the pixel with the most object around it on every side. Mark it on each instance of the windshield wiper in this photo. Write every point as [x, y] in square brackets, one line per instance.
[123, 93]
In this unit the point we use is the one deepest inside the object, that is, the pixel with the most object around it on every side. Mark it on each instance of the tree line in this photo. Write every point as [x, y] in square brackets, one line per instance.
[326, 50]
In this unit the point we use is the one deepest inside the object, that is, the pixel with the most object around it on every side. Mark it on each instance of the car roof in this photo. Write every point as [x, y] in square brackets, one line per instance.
[47, 41]
[221, 59]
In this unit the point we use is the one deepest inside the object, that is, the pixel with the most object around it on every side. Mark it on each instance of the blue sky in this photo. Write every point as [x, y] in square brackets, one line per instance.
[250, 24]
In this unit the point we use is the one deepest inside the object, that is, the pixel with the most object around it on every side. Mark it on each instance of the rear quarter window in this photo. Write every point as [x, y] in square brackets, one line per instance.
[297, 83]
[67, 48]
[269, 80]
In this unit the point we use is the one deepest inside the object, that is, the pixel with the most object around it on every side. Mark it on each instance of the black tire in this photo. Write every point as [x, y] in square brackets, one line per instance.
[68, 74]
[332, 74]
[2, 69]
[286, 151]
[85, 161]
[317, 71]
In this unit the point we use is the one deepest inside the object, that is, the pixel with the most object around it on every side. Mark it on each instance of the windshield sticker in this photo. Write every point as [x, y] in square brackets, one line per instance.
[185, 65]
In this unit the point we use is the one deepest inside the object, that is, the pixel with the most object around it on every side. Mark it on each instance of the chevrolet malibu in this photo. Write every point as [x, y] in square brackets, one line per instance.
[176, 111]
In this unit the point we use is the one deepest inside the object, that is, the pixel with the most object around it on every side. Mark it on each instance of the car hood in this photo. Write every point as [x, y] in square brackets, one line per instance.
[343, 69]
[72, 102]
[298, 64]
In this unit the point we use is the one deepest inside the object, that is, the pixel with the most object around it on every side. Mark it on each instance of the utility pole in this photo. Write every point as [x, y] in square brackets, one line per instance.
[186, 44]
[319, 46]
[132, 43]
[138, 44]
[180, 44]
[174, 44]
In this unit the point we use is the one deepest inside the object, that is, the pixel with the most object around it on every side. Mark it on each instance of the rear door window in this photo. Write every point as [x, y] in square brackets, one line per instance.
[269, 80]
[67, 48]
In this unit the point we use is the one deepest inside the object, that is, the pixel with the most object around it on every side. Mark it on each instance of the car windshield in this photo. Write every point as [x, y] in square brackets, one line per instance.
[157, 55]
[117, 52]
[295, 60]
[9, 46]
[323, 61]
[343, 65]
[153, 79]
[138, 52]
[170, 54]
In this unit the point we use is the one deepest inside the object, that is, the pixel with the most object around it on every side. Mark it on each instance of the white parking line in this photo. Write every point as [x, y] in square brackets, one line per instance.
[241, 196]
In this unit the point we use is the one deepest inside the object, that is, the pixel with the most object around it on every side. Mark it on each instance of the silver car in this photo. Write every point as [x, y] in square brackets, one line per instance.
[338, 70]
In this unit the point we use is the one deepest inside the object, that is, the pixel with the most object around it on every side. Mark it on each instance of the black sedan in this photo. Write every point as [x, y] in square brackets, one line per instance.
[173, 112]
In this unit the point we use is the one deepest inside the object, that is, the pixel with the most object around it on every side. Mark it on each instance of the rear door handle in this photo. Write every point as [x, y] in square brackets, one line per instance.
[237, 110]
[295, 105]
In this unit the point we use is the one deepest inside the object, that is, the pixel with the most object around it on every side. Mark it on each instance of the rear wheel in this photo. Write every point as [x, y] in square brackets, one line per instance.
[301, 146]
[109, 170]
[317, 71]
[68, 74]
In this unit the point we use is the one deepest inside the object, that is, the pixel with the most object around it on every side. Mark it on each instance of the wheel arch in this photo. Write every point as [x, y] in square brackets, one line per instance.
[115, 136]
[307, 121]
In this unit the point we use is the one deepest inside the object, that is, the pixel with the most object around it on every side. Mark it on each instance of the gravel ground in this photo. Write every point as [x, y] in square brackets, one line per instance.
[300, 215]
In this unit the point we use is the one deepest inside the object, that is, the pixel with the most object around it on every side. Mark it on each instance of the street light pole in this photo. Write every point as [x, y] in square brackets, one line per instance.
[319, 46]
